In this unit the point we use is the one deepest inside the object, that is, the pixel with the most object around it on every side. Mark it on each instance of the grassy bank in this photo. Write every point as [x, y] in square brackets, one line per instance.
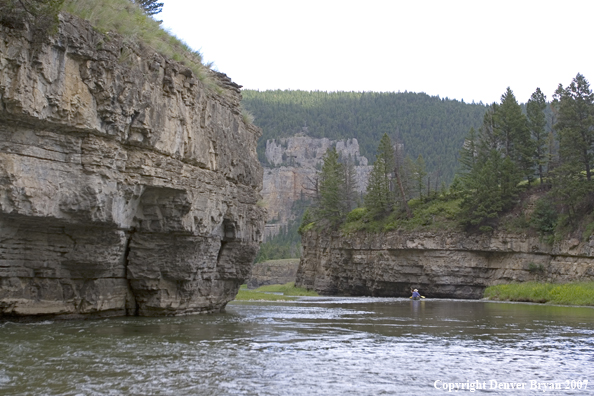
[288, 290]
[581, 293]
[128, 19]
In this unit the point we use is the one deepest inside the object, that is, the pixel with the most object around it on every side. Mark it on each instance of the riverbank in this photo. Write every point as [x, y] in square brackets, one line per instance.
[286, 292]
[576, 293]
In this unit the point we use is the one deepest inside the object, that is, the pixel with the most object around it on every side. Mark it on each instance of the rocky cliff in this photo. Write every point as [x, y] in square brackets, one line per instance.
[273, 272]
[438, 264]
[290, 173]
[126, 186]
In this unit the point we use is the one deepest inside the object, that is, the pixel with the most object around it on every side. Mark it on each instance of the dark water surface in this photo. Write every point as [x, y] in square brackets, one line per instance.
[317, 346]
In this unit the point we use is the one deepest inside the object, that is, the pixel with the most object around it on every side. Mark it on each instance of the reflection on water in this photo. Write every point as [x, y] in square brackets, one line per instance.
[329, 346]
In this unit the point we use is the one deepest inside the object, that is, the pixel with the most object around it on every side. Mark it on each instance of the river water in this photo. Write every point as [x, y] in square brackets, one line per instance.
[315, 346]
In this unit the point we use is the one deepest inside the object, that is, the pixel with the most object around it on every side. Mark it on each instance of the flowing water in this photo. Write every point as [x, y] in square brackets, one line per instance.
[315, 346]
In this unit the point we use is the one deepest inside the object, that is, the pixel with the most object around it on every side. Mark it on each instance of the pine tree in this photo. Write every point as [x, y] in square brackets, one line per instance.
[468, 153]
[494, 163]
[375, 196]
[511, 128]
[331, 208]
[488, 139]
[150, 7]
[380, 196]
[482, 203]
[350, 186]
[575, 124]
[401, 176]
[551, 154]
[456, 189]
[537, 123]
[572, 181]
[419, 174]
[385, 150]
[510, 147]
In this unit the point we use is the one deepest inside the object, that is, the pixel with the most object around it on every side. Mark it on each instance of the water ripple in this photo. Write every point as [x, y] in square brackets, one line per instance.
[318, 346]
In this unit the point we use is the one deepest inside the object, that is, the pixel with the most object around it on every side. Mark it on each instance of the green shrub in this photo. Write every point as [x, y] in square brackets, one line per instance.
[306, 227]
[307, 222]
[437, 214]
[544, 217]
[588, 231]
[533, 268]
[248, 117]
[356, 214]
[444, 209]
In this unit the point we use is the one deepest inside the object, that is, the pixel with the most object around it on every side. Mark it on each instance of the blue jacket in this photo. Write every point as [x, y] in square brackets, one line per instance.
[416, 295]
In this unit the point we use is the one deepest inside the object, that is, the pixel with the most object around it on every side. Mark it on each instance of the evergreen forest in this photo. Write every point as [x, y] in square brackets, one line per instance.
[426, 125]
[526, 169]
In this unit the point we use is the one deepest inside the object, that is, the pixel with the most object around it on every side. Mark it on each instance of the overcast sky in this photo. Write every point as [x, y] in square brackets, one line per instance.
[470, 50]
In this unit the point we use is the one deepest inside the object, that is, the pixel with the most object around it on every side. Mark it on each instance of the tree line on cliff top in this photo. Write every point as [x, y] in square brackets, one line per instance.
[513, 154]
[427, 125]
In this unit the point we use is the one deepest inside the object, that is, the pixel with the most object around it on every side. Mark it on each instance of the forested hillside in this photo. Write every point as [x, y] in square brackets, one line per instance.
[427, 125]
[516, 174]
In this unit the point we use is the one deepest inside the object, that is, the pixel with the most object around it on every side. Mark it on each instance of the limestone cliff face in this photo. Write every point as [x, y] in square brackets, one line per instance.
[438, 264]
[292, 169]
[275, 272]
[126, 186]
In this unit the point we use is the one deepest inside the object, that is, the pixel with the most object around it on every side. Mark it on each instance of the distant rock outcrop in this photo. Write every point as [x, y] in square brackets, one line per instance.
[126, 186]
[291, 173]
[274, 272]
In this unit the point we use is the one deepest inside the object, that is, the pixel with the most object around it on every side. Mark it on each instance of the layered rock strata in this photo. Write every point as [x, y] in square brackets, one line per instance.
[274, 272]
[291, 171]
[451, 265]
[126, 185]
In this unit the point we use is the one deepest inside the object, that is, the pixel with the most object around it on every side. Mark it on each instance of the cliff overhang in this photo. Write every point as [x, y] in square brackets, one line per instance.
[127, 187]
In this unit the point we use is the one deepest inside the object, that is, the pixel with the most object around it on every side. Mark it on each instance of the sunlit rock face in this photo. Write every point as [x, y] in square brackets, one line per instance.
[126, 186]
[450, 265]
[291, 171]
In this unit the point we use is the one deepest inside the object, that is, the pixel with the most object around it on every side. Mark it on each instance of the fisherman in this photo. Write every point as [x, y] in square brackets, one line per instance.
[416, 295]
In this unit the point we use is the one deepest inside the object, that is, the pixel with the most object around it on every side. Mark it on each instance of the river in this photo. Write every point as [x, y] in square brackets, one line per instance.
[315, 346]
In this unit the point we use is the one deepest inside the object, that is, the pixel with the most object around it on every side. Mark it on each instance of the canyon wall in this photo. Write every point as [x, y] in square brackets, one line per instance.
[446, 264]
[126, 185]
[273, 272]
[291, 171]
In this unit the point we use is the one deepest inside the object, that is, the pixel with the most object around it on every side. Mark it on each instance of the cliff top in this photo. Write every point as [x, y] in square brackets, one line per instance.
[308, 152]
[121, 17]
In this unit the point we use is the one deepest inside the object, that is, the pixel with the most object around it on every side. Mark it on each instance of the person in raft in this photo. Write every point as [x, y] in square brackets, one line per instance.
[416, 295]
